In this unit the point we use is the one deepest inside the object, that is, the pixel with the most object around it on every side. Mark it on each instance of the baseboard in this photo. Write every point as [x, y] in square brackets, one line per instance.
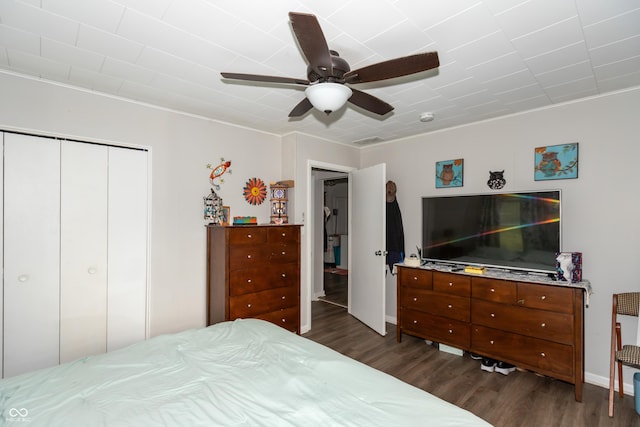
[603, 382]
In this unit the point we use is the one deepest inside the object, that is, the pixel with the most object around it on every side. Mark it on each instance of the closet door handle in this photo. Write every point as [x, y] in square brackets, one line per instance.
[92, 270]
[23, 278]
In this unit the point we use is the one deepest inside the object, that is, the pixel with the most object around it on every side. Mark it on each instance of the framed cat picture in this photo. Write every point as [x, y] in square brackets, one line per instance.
[556, 162]
[449, 173]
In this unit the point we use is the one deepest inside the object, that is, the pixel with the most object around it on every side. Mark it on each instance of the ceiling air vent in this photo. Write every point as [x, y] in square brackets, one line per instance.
[368, 140]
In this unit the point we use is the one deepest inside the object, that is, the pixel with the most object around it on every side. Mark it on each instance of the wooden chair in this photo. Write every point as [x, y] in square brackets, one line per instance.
[626, 304]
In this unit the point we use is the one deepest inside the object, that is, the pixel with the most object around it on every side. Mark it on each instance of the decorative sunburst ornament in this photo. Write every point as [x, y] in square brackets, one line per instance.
[255, 191]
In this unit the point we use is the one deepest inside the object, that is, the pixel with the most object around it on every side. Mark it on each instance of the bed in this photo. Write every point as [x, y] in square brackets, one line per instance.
[242, 373]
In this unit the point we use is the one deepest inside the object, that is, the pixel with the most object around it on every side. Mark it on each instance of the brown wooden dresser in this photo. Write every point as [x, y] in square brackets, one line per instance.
[253, 271]
[535, 326]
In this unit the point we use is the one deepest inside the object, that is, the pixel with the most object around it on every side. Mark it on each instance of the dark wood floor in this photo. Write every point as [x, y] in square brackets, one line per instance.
[520, 399]
[335, 289]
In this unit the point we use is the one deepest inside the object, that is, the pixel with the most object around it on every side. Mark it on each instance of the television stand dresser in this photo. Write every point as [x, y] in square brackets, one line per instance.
[527, 320]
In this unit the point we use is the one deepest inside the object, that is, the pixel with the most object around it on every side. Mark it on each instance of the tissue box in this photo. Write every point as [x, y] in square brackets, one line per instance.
[569, 266]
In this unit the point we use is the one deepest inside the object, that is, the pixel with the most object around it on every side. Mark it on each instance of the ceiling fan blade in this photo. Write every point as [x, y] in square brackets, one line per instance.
[369, 102]
[312, 42]
[266, 79]
[394, 68]
[300, 109]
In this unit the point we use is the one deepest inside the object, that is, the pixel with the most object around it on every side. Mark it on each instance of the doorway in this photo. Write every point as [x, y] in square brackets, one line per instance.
[330, 213]
[336, 252]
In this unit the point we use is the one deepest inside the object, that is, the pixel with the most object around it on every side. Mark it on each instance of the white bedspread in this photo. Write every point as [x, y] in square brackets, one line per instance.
[241, 373]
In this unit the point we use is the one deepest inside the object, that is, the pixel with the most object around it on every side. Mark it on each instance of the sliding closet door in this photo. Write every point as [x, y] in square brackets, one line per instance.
[127, 253]
[31, 253]
[83, 250]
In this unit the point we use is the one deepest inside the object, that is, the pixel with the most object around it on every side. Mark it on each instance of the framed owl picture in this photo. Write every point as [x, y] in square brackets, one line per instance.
[556, 162]
[449, 173]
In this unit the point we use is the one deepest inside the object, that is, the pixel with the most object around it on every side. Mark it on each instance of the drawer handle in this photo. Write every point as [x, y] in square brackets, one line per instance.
[249, 280]
[543, 297]
[249, 256]
[450, 284]
[415, 277]
[249, 236]
[248, 305]
[284, 275]
[521, 301]
[450, 331]
[493, 315]
[283, 297]
[415, 322]
[543, 325]
[543, 355]
[493, 290]
[284, 234]
[491, 342]
[284, 321]
[284, 253]
[415, 299]
[449, 306]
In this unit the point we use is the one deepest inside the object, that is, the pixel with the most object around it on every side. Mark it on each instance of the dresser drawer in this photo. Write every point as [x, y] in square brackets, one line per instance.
[251, 305]
[288, 318]
[248, 256]
[546, 297]
[248, 235]
[415, 277]
[251, 280]
[533, 353]
[283, 253]
[436, 328]
[279, 235]
[547, 325]
[454, 284]
[450, 306]
[493, 290]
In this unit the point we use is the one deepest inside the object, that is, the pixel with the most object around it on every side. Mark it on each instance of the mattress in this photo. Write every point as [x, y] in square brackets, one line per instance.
[241, 373]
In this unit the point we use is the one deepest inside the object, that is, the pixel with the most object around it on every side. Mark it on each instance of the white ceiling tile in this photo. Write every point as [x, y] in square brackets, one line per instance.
[94, 81]
[154, 59]
[615, 52]
[482, 49]
[513, 81]
[202, 19]
[427, 14]
[47, 68]
[619, 82]
[533, 15]
[612, 30]
[565, 74]
[154, 8]
[521, 93]
[67, 54]
[619, 68]
[495, 68]
[378, 17]
[399, 40]
[550, 38]
[35, 20]
[562, 57]
[573, 90]
[97, 13]
[108, 44]
[476, 21]
[595, 11]
[15, 39]
[127, 71]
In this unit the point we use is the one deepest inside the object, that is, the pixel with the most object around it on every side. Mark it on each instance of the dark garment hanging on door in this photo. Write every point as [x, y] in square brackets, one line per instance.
[395, 234]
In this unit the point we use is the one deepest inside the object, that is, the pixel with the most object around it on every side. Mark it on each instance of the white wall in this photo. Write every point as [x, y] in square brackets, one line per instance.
[180, 147]
[600, 209]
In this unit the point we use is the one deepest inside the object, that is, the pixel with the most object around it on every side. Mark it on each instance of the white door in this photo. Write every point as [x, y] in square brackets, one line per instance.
[367, 243]
[127, 253]
[83, 250]
[31, 253]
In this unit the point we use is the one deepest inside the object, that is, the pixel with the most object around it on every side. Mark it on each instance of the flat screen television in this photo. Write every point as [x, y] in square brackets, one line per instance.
[515, 231]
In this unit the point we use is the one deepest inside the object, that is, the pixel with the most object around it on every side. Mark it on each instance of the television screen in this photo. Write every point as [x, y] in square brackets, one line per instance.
[516, 231]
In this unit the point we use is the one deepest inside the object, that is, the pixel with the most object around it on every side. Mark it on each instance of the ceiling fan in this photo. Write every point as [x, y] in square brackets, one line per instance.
[328, 75]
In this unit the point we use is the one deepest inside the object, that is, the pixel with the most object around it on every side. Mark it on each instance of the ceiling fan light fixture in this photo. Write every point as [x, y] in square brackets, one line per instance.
[328, 97]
